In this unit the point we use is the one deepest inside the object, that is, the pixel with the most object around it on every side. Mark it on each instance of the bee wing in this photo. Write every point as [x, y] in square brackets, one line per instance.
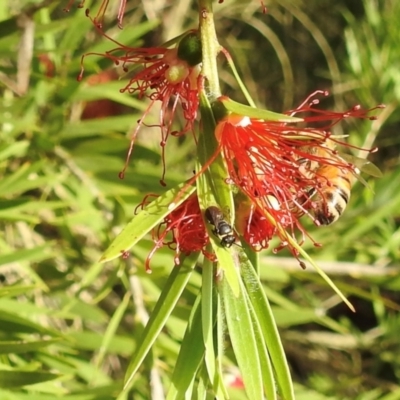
[372, 170]
[363, 165]
[363, 181]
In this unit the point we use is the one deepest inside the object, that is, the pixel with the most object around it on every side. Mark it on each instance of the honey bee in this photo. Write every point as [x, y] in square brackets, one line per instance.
[330, 198]
[333, 196]
[221, 228]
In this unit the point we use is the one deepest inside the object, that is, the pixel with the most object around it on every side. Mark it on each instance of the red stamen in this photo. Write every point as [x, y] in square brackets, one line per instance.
[121, 12]
[277, 167]
[99, 18]
[185, 227]
[153, 80]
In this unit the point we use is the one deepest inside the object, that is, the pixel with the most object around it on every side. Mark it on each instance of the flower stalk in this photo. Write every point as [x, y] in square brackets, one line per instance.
[210, 49]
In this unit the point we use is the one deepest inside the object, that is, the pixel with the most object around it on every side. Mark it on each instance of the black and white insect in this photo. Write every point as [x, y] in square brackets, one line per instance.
[221, 228]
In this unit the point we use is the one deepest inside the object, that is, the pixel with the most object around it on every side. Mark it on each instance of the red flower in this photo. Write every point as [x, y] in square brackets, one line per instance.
[167, 75]
[280, 168]
[252, 224]
[182, 230]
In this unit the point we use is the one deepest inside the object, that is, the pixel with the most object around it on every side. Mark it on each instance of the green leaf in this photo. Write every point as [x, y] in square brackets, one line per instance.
[35, 254]
[215, 173]
[20, 181]
[170, 295]
[95, 127]
[208, 315]
[207, 320]
[146, 220]
[112, 327]
[18, 346]
[220, 333]
[227, 266]
[265, 362]
[14, 323]
[190, 355]
[202, 385]
[241, 332]
[109, 90]
[285, 317]
[220, 195]
[327, 279]
[268, 328]
[12, 291]
[251, 112]
[17, 149]
[14, 379]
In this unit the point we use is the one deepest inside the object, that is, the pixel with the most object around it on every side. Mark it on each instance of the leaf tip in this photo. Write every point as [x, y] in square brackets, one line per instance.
[351, 306]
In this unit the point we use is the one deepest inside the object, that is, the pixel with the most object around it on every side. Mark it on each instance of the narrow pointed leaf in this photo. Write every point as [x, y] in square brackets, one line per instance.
[11, 322]
[165, 305]
[226, 263]
[319, 270]
[207, 317]
[265, 362]
[13, 291]
[242, 109]
[224, 256]
[19, 346]
[268, 328]
[220, 194]
[202, 385]
[14, 379]
[220, 348]
[190, 355]
[145, 221]
[112, 327]
[241, 332]
[215, 175]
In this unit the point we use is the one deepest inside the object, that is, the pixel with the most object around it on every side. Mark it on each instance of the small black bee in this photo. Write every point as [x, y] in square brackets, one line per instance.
[221, 228]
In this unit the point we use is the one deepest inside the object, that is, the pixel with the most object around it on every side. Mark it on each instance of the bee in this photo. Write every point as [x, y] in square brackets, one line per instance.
[221, 228]
[333, 196]
[330, 198]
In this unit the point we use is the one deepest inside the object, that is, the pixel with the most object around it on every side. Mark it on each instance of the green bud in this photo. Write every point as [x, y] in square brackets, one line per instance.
[189, 49]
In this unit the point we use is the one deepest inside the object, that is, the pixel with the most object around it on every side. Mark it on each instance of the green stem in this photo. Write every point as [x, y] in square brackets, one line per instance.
[210, 49]
[211, 186]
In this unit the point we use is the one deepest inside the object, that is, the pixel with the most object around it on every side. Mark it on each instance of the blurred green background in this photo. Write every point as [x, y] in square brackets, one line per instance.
[67, 323]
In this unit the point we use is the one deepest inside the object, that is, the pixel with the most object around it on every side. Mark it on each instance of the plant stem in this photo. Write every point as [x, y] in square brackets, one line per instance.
[210, 49]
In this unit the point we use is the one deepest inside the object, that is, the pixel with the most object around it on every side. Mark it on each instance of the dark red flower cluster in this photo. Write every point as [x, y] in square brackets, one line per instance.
[166, 75]
[182, 230]
[257, 230]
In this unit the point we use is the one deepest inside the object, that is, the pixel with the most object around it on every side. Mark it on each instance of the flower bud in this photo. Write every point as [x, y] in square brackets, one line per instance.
[189, 49]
